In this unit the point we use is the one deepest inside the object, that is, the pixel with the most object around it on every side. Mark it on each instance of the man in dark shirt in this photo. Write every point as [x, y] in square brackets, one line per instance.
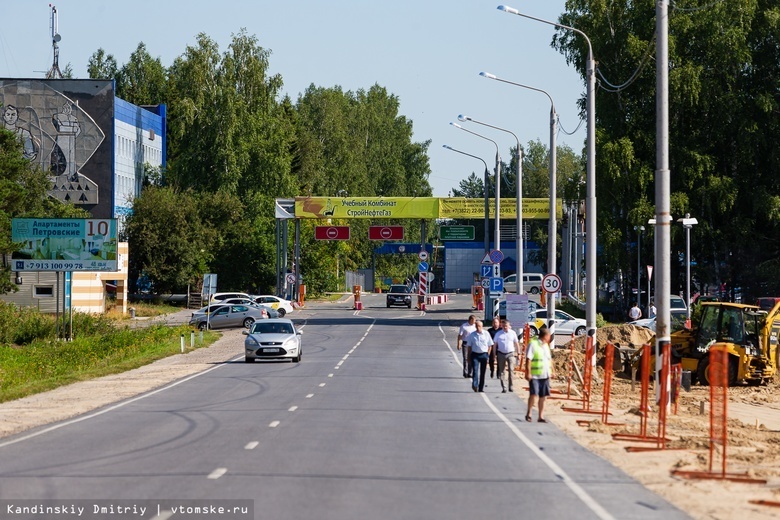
[495, 327]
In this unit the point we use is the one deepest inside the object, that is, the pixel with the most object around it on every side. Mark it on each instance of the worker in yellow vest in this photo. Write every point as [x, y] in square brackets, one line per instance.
[538, 371]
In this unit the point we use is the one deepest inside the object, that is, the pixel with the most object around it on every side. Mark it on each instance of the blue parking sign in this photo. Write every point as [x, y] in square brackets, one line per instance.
[496, 284]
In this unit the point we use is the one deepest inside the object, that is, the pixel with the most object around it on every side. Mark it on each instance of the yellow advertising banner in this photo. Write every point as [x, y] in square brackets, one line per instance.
[367, 207]
[475, 208]
[417, 208]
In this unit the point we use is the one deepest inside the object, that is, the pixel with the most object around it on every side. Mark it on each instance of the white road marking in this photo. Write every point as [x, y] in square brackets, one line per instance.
[588, 500]
[116, 406]
[214, 475]
[252, 445]
[330, 375]
[165, 514]
[345, 357]
[322, 384]
[292, 408]
[339, 363]
[309, 396]
[273, 424]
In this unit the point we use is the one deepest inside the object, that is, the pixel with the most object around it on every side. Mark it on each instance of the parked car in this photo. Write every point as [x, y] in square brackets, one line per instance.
[272, 313]
[532, 283]
[223, 316]
[221, 296]
[399, 295]
[564, 323]
[273, 339]
[280, 305]
[677, 323]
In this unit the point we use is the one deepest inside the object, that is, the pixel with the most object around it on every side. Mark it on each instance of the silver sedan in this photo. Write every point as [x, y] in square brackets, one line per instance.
[273, 339]
[221, 316]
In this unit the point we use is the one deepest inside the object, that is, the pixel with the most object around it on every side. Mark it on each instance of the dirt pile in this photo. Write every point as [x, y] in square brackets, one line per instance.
[625, 335]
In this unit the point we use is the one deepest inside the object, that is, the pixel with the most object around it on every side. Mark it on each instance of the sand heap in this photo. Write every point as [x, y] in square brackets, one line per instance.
[625, 335]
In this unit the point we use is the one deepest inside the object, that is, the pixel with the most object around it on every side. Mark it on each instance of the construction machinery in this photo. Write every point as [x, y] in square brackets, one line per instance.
[746, 332]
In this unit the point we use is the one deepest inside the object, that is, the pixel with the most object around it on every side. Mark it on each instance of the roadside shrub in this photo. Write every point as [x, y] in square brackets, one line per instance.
[31, 325]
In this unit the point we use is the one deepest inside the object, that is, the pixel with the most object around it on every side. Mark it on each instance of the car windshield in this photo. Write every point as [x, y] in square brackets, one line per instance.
[398, 289]
[264, 327]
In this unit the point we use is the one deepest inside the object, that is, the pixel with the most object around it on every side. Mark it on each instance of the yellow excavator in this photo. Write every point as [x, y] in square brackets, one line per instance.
[747, 333]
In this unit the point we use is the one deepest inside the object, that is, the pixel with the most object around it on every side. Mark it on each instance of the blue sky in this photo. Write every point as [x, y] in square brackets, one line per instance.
[429, 53]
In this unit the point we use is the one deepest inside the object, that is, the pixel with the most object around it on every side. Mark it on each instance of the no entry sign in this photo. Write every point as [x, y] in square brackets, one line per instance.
[386, 233]
[331, 232]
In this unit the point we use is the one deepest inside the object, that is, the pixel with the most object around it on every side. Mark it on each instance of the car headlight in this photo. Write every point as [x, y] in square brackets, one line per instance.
[290, 344]
[252, 342]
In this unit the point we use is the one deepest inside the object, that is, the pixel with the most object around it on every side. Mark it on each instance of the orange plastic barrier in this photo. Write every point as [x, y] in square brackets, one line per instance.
[587, 378]
[719, 378]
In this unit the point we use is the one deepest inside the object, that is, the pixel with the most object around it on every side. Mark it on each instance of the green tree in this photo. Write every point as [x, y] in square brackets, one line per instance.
[141, 81]
[167, 238]
[472, 187]
[724, 100]
[102, 65]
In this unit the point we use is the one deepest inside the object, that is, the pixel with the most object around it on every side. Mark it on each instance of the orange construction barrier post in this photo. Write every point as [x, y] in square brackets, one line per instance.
[302, 296]
[356, 294]
[609, 360]
[718, 372]
[644, 407]
[676, 386]
[586, 379]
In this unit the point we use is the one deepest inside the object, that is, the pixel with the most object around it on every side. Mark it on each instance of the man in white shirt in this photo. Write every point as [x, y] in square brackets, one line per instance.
[463, 333]
[635, 313]
[480, 344]
[507, 346]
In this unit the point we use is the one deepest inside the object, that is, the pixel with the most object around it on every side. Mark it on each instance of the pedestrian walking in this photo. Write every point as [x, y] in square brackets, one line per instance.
[507, 347]
[538, 371]
[463, 332]
[481, 344]
[651, 310]
[495, 327]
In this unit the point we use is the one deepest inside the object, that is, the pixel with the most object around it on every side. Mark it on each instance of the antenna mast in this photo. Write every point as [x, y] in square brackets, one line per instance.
[54, 71]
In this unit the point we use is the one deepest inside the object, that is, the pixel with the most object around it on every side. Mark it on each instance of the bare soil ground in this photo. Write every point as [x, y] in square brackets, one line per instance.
[753, 443]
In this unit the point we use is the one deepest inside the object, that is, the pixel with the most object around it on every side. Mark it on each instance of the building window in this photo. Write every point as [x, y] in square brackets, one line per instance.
[43, 291]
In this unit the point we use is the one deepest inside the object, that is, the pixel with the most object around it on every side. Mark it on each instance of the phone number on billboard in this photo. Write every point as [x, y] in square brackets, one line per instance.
[37, 265]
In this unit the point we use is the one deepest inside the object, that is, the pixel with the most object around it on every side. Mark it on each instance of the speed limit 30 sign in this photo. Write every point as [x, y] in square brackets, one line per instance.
[551, 283]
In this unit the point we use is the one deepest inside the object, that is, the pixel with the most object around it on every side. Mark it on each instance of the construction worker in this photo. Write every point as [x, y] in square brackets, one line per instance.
[538, 371]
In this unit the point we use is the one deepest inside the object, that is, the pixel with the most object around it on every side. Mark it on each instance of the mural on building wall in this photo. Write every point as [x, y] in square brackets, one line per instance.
[62, 125]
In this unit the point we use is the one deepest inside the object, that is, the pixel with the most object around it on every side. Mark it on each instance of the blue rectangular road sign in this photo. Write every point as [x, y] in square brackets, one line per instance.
[485, 270]
[496, 284]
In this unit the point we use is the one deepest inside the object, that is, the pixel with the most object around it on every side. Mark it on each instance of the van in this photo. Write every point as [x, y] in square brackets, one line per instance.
[676, 302]
[532, 283]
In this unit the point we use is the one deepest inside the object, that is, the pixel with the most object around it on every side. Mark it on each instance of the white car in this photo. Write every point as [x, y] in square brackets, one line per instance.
[276, 303]
[273, 339]
[564, 323]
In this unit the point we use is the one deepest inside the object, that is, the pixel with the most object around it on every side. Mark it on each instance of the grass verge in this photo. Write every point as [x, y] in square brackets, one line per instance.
[45, 364]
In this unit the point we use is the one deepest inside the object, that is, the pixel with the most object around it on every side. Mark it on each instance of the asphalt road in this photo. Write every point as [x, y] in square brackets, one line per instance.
[376, 422]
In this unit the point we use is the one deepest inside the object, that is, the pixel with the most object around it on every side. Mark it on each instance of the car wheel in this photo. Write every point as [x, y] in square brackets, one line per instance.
[534, 290]
[533, 331]
[248, 322]
[202, 325]
[249, 360]
[297, 359]
[580, 331]
[388, 305]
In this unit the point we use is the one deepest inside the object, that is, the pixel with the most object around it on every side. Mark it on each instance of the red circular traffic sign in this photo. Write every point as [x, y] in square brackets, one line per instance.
[332, 232]
[551, 283]
[386, 232]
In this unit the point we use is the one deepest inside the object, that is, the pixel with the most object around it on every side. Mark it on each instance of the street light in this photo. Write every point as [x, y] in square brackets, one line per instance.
[590, 200]
[552, 252]
[688, 223]
[639, 230]
[518, 200]
[487, 203]
[497, 239]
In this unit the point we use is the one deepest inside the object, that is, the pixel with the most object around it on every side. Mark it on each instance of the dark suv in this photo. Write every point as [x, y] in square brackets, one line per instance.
[399, 295]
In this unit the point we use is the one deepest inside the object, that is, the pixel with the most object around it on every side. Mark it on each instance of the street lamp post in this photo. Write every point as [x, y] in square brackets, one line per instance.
[518, 200]
[591, 293]
[639, 230]
[688, 223]
[487, 202]
[552, 232]
[497, 225]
